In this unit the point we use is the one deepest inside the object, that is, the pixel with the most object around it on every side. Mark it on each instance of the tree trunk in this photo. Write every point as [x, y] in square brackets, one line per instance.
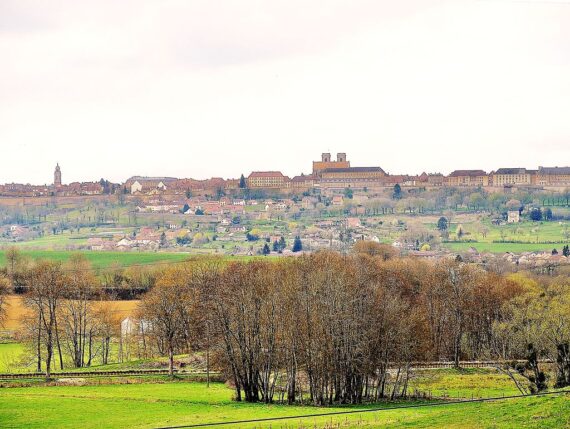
[90, 354]
[171, 361]
[49, 355]
[39, 346]
[58, 345]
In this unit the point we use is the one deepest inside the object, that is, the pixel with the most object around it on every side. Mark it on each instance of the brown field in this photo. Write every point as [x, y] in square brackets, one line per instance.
[16, 310]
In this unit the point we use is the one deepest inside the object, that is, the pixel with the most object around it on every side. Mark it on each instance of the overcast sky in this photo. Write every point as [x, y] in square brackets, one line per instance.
[201, 88]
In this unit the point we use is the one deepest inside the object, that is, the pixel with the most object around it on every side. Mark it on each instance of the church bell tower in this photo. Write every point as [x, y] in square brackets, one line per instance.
[57, 176]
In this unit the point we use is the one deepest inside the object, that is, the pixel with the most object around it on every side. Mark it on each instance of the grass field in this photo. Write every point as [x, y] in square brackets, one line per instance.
[10, 356]
[104, 259]
[464, 383]
[502, 247]
[178, 403]
[530, 236]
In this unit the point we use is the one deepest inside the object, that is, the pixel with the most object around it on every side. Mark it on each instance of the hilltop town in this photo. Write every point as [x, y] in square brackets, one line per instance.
[521, 215]
[328, 176]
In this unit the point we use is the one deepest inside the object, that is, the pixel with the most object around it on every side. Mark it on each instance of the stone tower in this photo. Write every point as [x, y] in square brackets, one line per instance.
[57, 176]
[341, 157]
[326, 157]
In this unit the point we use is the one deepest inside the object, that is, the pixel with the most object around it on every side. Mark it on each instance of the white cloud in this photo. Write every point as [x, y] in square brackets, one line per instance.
[217, 88]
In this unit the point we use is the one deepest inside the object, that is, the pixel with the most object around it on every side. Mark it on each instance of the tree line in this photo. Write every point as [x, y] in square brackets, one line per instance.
[322, 328]
[331, 328]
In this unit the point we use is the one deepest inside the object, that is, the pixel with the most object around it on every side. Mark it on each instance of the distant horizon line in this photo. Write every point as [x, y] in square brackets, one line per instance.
[142, 176]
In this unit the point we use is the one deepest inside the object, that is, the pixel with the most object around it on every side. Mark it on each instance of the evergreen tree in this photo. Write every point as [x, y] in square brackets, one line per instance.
[266, 250]
[566, 251]
[536, 214]
[297, 244]
[242, 183]
[397, 192]
[442, 224]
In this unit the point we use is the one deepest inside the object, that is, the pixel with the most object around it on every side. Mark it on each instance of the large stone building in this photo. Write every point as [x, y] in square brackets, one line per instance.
[553, 176]
[329, 174]
[267, 179]
[467, 178]
[302, 182]
[326, 162]
[512, 177]
[141, 184]
[352, 177]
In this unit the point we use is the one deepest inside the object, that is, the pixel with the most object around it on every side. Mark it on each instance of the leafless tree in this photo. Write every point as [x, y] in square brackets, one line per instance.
[46, 284]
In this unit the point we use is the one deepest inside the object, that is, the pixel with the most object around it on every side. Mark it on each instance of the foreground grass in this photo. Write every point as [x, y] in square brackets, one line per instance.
[530, 412]
[464, 383]
[177, 403]
[11, 355]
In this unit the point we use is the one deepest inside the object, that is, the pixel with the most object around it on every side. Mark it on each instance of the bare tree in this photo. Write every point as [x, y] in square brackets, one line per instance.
[167, 310]
[76, 314]
[45, 285]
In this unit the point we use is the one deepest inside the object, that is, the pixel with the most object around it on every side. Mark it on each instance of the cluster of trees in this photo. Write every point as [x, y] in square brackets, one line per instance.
[113, 282]
[321, 328]
[63, 325]
[536, 324]
[331, 328]
[279, 245]
[420, 201]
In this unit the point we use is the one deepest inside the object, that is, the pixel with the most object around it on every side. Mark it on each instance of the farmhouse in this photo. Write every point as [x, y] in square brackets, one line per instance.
[513, 216]
[309, 203]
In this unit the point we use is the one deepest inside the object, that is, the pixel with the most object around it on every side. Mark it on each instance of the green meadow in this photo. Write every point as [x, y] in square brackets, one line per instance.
[11, 355]
[104, 259]
[140, 405]
[502, 247]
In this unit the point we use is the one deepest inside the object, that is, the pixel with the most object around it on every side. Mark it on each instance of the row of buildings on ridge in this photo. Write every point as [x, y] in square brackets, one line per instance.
[327, 174]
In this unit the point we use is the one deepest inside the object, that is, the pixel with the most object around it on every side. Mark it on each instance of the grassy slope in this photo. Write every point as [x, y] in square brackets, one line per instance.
[503, 247]
[526, 232]
[104, 259]
[152, 405]
[465, 383]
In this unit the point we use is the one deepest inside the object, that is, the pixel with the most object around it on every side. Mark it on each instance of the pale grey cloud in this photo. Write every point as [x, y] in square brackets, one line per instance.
[212, 87]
